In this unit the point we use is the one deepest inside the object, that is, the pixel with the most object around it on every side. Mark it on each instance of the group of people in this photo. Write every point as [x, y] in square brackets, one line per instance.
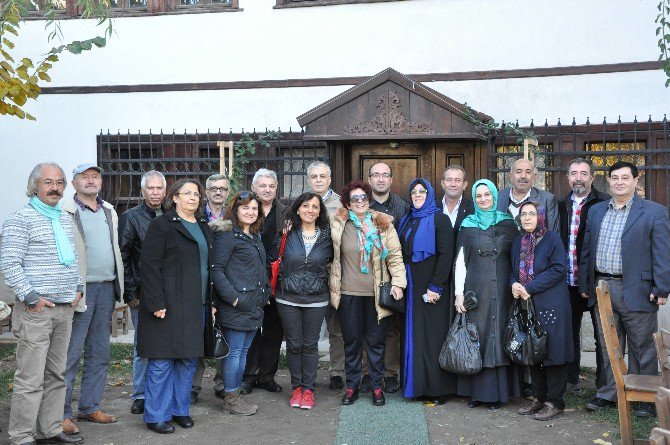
[188, 257]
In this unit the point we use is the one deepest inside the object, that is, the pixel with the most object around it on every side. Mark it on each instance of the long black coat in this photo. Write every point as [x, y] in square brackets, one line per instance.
[239, 273]
[487, 260]
[427, 324]
[170, 274]
[549, 293]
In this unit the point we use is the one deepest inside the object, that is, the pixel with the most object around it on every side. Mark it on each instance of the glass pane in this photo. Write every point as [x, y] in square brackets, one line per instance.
[505, 161]
[603, 161]
[222, 2]
[190, 2]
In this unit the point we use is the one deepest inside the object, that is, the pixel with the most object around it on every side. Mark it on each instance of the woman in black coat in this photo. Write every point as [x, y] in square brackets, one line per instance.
[175, 264]
[427, 241]
[540, 264]
[241, 282]
[302, 297]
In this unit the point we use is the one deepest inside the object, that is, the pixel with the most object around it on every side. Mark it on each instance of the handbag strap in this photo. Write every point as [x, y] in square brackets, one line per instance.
[381, 266]
[282, 245]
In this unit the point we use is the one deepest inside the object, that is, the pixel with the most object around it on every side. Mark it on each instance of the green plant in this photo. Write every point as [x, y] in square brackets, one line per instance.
[20, 81]
[244, 148]
[488, 127]
[663, 32]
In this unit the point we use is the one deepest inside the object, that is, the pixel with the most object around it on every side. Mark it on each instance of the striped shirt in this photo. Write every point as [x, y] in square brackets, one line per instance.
[575, 219]
[29, 258]
[608, 250]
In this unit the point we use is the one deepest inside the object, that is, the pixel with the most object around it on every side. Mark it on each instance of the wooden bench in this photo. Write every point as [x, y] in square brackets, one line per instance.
[120, 318]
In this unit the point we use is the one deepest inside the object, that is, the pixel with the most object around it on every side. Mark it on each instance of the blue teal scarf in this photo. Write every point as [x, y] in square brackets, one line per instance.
[368, 236]
[484, 219]
[63, 246]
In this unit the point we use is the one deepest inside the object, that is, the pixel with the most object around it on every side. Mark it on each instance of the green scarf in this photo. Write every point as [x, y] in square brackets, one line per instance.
[63, 246]
[484, 219]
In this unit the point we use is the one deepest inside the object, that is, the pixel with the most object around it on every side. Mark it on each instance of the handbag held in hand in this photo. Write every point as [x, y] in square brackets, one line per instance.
[386, 299]
[460, 352]
[525, 340]
[215, 343]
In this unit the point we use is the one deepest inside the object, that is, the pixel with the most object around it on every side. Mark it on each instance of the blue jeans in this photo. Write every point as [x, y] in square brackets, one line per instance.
[168, 388]
[139, 363]
[90, 333]
[233, 365]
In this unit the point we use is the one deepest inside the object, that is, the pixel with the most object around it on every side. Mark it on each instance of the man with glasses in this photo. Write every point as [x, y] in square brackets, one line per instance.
[133, 224]
[96, 237]
[217, 189]
[380, 178]
[38, 258]
[263, 355]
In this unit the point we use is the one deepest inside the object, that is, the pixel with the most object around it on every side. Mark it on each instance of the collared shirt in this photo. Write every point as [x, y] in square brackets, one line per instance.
[211, 216]
[453, 216]
[83, 206]
[575, 219]
[608, 250]
[514, 205]
[327, 195]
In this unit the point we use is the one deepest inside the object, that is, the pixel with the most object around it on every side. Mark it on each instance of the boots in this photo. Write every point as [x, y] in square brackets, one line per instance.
[234, 404]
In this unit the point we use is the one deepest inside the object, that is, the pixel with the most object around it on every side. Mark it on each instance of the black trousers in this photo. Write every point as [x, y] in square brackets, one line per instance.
[358, 319]
[579, 306]
[263, 355]
[549, 383]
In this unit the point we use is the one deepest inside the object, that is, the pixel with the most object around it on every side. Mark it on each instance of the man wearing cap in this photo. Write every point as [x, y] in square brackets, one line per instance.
[39, 262]
[96, 228]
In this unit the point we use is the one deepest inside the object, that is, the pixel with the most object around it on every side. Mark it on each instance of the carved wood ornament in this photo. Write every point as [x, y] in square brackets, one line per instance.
[388, 119]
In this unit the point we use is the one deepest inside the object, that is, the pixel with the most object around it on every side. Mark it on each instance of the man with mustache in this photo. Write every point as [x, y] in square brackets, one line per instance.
[96, 234]
[573, 213]
[38, 258]
[522, 174]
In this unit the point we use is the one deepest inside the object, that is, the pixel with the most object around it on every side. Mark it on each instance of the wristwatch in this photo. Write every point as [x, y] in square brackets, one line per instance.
[32, 305]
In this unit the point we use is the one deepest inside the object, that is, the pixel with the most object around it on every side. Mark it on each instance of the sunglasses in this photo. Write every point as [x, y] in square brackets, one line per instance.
[246, 194]
[418, 192]
[359, 198]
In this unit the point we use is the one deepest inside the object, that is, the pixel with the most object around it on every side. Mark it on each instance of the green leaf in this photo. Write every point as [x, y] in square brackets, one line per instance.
[8, 43]
[74, 48]
[44, 76]
[85, 45]
[99, 41]
[27, 62]
[22, 72]
[30, 117]
[6, 55]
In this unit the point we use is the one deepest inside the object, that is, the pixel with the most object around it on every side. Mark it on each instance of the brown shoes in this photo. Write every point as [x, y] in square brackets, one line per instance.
[98, 416]
[69, 427]
[548, 412]
[532, 408]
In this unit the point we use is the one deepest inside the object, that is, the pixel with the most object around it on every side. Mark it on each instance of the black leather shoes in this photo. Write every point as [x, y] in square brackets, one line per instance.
[366, 384]
[61, 438]
[194, 397]
[220, 393]
[391, 384]
[350, 396]
[598, 404]
[245, 388]
[270, 386]
[183, 421]
[474, 403]
[494, 405]
[645, 410]
[378, 398]
[336, 383]
[137, 407]
[161, 427]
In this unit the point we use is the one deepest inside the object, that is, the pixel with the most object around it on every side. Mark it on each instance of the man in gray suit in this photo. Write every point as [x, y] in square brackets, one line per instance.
[523, 174]
[627, 244]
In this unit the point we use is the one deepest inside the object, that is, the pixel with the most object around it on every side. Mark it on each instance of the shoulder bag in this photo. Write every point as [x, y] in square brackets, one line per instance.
[386, 299]
[275, 266]
[525, 340]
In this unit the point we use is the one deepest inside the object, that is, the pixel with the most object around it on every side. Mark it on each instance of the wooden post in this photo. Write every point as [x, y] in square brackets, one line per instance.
[226, 146]
[527, 144]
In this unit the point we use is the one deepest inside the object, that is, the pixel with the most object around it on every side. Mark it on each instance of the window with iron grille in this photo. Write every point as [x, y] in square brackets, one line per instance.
[510, 153]
[605, 154]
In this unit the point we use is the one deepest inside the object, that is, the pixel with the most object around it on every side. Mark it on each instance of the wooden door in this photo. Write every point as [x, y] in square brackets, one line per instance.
[471, 155]
[407, 161]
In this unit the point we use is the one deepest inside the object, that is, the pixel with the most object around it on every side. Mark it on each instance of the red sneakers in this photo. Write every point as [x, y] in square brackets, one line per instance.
[296, 398]
[307, 401]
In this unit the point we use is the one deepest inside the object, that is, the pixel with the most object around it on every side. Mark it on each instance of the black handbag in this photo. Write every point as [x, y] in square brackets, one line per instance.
[386, 299]
[215, 343]
[460, 352]
[525, 339]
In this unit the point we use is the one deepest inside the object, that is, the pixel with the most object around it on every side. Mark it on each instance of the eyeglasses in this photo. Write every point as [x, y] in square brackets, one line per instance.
[218, 189]
[189, 194]
[418, 192]
[522, 214]
[49, 183]
[380, 175]
[359, 198]
[246, 194]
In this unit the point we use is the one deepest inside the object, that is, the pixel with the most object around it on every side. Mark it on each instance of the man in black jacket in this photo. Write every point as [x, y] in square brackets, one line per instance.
[454, 204]
[133, 224]
[573, 212]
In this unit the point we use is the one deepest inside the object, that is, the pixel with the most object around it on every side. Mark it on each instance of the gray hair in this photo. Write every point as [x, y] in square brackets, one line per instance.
[317, 164]
[36, 175]
[455, 167]
[264, 172]
[581, 161]
[535, 170]
[152, 174]
[214, 178]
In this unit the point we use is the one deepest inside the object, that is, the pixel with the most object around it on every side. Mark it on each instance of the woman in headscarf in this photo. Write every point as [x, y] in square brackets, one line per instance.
[366, 252]
[540, 265]
[426, 236]
[483, 266]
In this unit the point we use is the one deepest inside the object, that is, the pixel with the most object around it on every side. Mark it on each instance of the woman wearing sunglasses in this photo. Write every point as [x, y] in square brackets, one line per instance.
[364, 241]
[241, 283]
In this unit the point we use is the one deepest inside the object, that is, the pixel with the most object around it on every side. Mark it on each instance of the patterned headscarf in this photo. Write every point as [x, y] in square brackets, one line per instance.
[528, 243]
[368, 236]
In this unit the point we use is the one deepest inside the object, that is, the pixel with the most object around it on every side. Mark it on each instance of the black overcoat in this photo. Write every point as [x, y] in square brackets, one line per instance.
[170, 276]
